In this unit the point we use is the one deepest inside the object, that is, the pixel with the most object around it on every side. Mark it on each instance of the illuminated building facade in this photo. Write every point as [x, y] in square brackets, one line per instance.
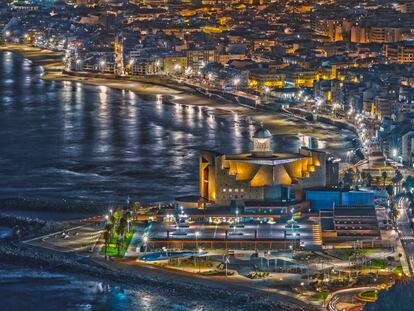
[119, 55]
[262, 175]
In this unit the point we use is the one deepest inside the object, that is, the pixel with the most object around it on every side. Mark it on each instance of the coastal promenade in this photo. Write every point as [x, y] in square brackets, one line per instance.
[277, 122]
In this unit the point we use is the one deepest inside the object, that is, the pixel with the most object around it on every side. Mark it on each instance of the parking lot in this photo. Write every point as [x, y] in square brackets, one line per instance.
[240, 232]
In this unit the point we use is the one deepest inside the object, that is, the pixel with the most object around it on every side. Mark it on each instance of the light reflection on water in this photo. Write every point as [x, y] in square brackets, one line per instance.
[73, 141]
[29, 289]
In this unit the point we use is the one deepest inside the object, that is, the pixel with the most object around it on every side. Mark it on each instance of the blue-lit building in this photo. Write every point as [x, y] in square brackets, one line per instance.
[328, 198]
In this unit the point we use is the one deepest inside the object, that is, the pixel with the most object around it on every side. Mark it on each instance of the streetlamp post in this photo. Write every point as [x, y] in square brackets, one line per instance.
[145, 239]
[177, 68]
[236, 82]
[199, 252]
[266, 90]
[102, 65]
[196, 236]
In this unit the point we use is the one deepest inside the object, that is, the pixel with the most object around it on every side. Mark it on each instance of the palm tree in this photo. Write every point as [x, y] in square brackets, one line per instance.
[119, 246]
[384, 176]
[106, 238]
[396, 179]
[377, 180]
[108, 228]
[363, 177]
[121, 231]
[369, 179]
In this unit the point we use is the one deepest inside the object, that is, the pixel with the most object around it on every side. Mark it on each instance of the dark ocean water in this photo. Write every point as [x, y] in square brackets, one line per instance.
[30, 289]
[66, 140]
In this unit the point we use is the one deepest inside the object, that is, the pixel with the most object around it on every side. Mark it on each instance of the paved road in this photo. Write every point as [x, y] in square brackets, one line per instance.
[346, 297]
[405, 229]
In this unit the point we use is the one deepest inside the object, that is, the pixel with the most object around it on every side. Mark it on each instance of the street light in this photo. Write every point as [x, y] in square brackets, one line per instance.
[236, 82]
[196, 236]
[188, 70]
[145, 239]
[102, 64]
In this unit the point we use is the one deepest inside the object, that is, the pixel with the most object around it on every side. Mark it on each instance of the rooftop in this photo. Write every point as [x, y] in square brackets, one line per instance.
[274, 159]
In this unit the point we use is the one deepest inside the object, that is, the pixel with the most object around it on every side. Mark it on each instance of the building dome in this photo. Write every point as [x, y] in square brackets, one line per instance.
[262, 143]
[262, 133]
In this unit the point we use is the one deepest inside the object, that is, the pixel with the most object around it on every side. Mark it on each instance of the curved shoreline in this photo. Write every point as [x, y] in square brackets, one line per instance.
[53, 68]
[183, 95]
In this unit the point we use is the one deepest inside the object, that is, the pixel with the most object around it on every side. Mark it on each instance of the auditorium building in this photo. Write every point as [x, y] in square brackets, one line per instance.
[263, 176]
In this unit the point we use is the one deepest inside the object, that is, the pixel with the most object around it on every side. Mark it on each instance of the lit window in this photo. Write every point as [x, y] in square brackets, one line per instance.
[224, 190]
[236, 190]
[241, 190]
[230, 190]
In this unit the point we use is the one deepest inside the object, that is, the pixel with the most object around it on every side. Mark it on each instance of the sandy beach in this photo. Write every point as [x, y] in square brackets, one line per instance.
[51, 62]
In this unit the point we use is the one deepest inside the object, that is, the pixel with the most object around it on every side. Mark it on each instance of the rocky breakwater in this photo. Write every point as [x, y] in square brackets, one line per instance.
[217, 294]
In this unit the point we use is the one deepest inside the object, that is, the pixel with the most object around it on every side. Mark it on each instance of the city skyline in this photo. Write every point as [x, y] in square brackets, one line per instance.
[206, 155]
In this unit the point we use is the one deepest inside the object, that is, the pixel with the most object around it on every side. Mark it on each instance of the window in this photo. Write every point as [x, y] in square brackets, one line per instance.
[224, 190]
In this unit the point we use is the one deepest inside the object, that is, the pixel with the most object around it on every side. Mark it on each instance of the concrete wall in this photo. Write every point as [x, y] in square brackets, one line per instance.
[320, 199]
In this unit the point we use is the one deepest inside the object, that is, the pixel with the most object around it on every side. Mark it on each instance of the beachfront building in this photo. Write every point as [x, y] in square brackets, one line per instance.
[263, 175]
